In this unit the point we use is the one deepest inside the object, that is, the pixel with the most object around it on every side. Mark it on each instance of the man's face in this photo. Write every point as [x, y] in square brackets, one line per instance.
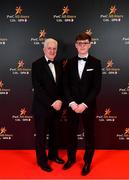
[50, 50]
[82, 46]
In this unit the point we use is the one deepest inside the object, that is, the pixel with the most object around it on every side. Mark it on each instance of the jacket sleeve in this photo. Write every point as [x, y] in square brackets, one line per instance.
[66, 83]
[39, 91]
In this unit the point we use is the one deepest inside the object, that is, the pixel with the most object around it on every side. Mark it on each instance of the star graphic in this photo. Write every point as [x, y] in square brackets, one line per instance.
[3, 130]
[109, 63]
[20, 64]
[127, 130]
[42, 33]
[126, 133]
[1, 84]
[22, 112]
[65, 10]
[107, 112]
[112, 10]
[18, 10]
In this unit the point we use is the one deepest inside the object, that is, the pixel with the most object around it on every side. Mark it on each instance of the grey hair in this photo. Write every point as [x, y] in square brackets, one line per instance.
[48, 40]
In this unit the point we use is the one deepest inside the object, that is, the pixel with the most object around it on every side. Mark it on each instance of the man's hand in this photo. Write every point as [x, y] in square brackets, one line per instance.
[74, 106]
[57, 105]
[80, 108]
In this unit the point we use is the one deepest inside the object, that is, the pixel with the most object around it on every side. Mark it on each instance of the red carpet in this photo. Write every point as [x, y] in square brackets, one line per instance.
[106, 164]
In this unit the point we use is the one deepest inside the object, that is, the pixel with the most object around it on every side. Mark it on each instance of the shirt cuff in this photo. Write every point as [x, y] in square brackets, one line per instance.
[85, 105]
[71, 103]
[55, 102]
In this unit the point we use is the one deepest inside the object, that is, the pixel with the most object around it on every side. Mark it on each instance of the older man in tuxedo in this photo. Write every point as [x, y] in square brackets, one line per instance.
[82, 82]
[47, 103]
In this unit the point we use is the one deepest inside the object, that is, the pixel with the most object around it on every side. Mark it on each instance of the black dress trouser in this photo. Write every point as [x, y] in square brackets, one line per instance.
[88, 119]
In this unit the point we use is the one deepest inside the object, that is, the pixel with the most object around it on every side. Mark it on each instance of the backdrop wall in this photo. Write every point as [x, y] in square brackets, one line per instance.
[24, 25]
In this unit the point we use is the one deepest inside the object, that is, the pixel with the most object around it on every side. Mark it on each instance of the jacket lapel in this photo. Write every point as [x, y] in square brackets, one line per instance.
[86, 66]
[75, 68]
[47, 69]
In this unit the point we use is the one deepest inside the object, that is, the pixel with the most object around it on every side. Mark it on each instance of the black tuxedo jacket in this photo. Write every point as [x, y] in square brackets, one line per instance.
[85, 89]
[46, 90]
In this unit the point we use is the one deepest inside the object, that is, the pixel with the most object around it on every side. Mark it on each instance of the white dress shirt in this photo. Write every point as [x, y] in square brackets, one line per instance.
[52, 68]
[81, 65]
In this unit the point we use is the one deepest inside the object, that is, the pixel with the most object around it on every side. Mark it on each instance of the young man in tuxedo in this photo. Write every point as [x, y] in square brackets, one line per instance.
[82, 82]
[47, 103]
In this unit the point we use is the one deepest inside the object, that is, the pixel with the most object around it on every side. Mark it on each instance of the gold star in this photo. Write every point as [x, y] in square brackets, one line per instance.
[107, 112]
[126, 133]
[18, 10]
[42, 33]
[109, 63]
[3, 130]
[23, 112]
[1, 84]
[112, 10]
[20, 64]
[127, 130]
[65, 10]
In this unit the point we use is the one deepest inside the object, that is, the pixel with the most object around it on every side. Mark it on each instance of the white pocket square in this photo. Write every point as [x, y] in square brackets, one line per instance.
[89, 69]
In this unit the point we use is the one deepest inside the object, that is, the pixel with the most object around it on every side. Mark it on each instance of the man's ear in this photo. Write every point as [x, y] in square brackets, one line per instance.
[75, 45]
[90, 45]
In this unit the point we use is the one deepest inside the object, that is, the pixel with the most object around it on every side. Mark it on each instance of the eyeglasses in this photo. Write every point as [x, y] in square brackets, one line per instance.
[82, 43]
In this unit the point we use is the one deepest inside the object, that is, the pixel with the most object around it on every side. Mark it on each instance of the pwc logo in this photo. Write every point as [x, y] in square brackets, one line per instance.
[124, 90]
[3, 90]
[112, 15]
[112, 10]
[106, 116]
[18, 16]
[94, 40]
[64, 16]
[22, 116]
[20, 68]
[40, 38]
[4, 135]
[110, 68]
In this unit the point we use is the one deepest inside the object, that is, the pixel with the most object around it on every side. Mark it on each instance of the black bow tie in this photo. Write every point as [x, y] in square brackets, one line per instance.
[49, 61]
[84, 59]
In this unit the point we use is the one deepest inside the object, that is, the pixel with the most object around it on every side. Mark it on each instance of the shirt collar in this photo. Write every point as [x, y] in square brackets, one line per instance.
[86, 56]
[46, 58]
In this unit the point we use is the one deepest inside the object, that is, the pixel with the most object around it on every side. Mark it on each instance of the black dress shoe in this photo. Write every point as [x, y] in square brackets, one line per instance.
[68, 164]
[85, 169]
[57, 160]
[45, 167]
